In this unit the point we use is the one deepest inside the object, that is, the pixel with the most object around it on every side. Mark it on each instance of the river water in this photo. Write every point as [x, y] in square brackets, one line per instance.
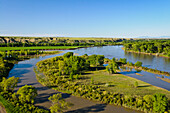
[24, 70]
[150, 61]
[160, 63]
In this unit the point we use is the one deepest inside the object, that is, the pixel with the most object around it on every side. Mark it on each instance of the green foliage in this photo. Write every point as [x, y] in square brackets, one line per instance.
[92, 80]
[10, 108]
[91, 91]
[20, 102]
[64, 65]
[148, 101]
[9, 84]
[71, 76]
[37, 48]
[160, 103]
[96, 60]
[136, 84]
[77, 77]
[27, 93]
[58, 103]
[68, 54]
[138, 64]
[149, 46]
[123, 60]
[112, 67]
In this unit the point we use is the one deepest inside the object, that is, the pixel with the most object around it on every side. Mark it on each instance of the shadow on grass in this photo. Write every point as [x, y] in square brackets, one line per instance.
[144, 86]
[96, 68]
[95, 108]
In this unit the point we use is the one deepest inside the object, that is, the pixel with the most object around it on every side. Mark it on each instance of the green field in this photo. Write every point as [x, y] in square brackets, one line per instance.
[38, 48]
[122, 84]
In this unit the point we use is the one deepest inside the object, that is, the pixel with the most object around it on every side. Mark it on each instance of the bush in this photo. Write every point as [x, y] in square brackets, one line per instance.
[160, 103]
[59, 103]
[138, 64]
[136, 84]
[27, 93]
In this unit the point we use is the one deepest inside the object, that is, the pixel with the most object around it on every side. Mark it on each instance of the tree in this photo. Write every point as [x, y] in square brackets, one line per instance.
[9, 84]
[138, 64]
[68, 54]
[27, 93]
[136, 84]
[58, 104]
[112, 67]
[160, 103]
[148, 101]
[123, 60]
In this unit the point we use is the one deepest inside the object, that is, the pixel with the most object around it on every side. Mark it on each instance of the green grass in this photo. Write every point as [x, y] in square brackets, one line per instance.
[38, 48]
[123, 84]
[8, 106]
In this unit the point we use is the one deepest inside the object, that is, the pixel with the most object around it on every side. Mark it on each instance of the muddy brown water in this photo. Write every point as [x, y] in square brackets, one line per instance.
[24, 70]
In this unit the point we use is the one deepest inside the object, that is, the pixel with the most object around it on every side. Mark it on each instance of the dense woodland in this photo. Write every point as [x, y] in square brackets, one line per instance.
[161, 47]
[68, 81]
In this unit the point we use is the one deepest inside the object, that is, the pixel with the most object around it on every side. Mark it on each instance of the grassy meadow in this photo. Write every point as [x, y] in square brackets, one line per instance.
[121, 84]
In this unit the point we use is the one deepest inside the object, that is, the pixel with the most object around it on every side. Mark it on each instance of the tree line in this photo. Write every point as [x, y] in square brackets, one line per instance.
[151, 46]
[30, 44]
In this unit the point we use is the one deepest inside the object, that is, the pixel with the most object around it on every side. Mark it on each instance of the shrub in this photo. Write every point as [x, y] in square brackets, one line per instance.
[138, 64]
[58, 103]
[27, 93]
[136, 84]
[160, 103]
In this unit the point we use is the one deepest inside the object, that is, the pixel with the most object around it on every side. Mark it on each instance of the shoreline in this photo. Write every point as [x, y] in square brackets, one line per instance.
[154, 54]
[140, 68]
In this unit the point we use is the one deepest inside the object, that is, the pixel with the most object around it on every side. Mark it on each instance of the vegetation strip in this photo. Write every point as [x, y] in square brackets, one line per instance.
[40, 48]
[164, 79]
[131, 65]
[153, 47]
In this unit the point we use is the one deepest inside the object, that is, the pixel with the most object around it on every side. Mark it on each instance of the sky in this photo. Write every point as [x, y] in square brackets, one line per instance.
[85, 18]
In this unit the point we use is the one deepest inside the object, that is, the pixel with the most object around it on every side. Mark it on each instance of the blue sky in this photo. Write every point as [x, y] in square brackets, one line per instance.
[85, 18]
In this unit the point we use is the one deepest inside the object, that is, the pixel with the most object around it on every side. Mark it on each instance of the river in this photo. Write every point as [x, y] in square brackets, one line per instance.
[24, 70]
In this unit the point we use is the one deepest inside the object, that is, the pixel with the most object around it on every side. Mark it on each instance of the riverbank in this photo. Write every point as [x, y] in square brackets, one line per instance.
[148, 70]
[155, 54]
